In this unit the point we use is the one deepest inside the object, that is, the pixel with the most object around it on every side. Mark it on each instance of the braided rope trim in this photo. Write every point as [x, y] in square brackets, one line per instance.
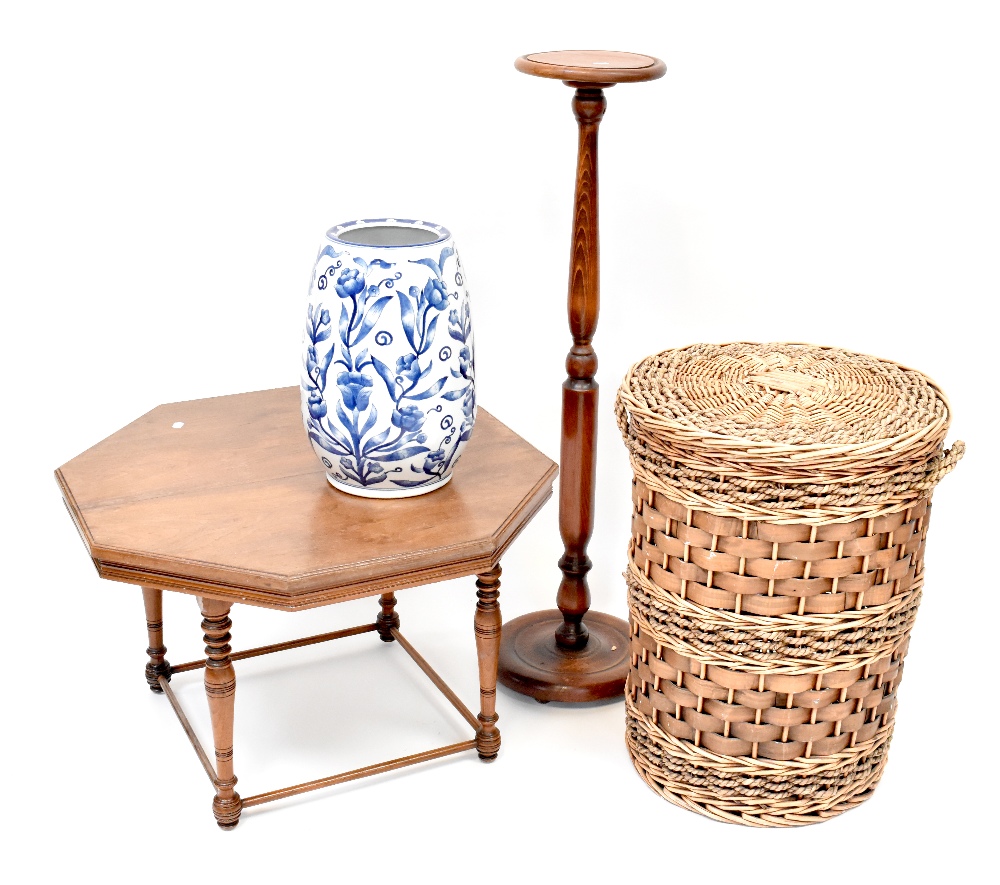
[792, 644]
[754, 792]
[784, 432]
[743, 494]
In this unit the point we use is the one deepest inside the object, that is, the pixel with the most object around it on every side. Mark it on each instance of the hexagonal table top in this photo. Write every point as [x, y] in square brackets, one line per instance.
[224, 498]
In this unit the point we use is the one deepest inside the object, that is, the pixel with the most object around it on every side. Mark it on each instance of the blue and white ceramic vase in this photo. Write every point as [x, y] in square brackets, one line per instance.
[388, 377]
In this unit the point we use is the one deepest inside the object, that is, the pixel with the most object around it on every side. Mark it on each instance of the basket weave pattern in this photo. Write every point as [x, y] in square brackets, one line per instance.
[784, 432]
[780, 510]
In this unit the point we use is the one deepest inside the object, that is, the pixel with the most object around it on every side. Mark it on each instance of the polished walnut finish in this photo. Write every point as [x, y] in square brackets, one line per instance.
[579, 404]
[596, 66]
[531, 661]
[220, 687]
[488, 627]
[556, 655]
[158, 664]
[229, 506]
[233, 506]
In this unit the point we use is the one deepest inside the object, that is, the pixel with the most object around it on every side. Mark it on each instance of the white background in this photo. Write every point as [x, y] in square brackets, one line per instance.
[821, 172]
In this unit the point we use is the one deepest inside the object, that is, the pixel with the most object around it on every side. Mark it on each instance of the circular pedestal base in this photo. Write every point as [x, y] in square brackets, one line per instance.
[532, 664]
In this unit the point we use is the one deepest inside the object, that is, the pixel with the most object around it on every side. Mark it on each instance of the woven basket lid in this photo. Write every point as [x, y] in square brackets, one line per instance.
[787, 415]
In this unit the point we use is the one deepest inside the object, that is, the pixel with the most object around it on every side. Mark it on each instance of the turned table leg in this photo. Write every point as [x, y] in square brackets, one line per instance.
[220, 687]
[158, 665]
[388, 619]
[488, 651]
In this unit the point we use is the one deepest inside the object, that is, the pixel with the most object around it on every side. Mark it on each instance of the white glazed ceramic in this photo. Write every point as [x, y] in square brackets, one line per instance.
[388, 378]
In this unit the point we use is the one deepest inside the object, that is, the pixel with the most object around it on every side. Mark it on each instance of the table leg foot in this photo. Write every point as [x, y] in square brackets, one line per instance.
[227, 811]
[387, 619]
[488, 625]
[158, 664]
[220, 689]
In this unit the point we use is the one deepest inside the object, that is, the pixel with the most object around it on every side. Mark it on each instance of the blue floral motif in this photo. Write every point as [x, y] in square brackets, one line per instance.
[408, 367]
[460, 328]
[460, 323]
[466, 431]
[408, 418]
[317, 408]
[346, 424]
[435, 293]
[355, 388]
[434, 463]
[349, 283]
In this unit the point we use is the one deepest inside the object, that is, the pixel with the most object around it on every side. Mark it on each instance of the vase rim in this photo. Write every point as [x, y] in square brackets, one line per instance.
[338, 231]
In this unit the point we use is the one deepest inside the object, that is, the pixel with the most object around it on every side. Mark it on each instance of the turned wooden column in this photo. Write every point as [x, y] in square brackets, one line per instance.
[488, 627]
[579, 400]
[220, 688]
[158, 664]
[566, 654]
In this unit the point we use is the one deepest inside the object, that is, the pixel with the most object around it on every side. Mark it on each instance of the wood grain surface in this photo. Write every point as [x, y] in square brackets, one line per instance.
[557, 655]
[598, 67]
[235, 505]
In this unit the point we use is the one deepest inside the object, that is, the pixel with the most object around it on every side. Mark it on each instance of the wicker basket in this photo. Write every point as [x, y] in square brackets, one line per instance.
[781, 500]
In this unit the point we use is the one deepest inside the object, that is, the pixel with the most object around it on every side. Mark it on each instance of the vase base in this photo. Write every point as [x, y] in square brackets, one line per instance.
[387, 493]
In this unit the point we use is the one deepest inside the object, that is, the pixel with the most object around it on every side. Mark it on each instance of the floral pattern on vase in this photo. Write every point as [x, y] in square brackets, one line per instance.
[388, 384]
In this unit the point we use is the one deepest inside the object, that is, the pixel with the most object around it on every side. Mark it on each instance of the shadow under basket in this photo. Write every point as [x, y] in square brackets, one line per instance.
[780, 509]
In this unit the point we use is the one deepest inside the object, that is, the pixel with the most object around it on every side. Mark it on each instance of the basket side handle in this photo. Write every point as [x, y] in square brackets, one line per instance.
[939, 466]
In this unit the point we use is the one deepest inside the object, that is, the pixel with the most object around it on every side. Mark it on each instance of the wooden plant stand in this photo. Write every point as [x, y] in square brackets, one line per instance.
[554, 655]
[223, 499]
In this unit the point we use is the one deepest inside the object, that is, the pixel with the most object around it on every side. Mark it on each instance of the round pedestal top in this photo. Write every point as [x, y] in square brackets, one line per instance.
[597, 66]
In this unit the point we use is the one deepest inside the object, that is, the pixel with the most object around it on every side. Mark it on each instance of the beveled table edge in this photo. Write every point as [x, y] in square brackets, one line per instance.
[327, 595]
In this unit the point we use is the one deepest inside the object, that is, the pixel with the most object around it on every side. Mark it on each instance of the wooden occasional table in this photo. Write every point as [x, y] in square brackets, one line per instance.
[223, 499]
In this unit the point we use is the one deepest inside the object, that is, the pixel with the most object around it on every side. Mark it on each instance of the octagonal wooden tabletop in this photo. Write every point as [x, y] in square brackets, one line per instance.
[234, 505]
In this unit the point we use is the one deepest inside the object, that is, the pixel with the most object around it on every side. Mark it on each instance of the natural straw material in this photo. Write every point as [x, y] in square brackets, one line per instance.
[784, 431]
[780, 512]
